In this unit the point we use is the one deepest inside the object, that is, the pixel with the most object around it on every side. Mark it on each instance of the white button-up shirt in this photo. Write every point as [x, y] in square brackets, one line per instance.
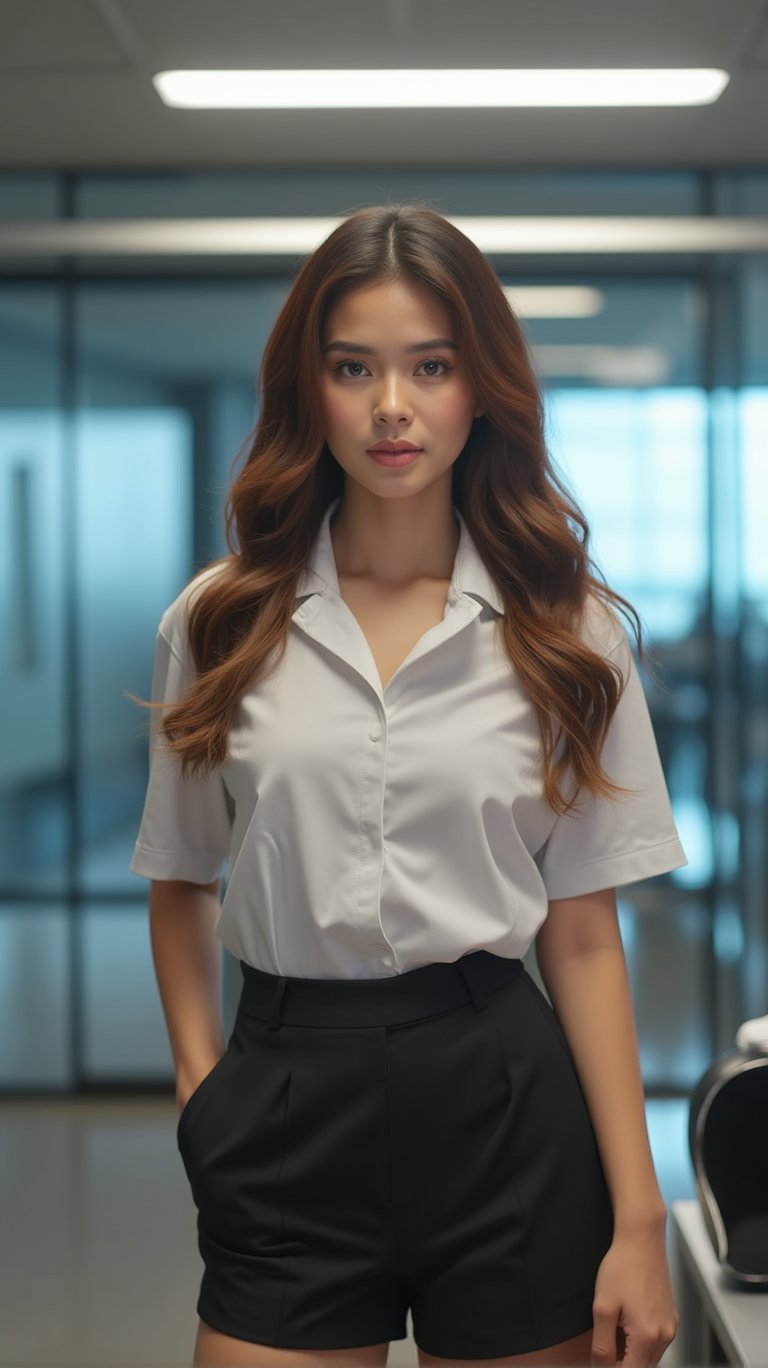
[367, 831]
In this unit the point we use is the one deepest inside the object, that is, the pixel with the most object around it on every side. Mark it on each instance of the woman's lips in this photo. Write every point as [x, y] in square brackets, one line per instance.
[395, 446]
[395, 458]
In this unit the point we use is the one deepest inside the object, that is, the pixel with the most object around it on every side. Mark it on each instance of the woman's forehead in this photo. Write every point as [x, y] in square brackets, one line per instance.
[389, 313]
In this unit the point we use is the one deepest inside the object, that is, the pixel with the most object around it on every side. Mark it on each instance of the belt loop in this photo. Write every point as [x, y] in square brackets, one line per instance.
[273, 1020]
[476, 992]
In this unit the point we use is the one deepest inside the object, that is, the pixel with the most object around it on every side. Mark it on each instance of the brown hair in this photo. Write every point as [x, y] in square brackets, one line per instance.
[529, 531]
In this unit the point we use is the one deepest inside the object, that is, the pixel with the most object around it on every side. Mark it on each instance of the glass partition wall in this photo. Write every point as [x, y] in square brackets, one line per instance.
[126, 392]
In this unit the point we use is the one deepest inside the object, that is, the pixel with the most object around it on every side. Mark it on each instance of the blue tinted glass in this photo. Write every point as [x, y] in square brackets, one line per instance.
[35, 745]
[637, 463]
[135, 477]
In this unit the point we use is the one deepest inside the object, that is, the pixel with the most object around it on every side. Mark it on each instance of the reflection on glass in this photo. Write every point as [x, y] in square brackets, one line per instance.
[34, 749]
[134, 552]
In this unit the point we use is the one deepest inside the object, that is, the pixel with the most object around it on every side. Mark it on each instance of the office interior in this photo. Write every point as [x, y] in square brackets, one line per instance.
[128, 362]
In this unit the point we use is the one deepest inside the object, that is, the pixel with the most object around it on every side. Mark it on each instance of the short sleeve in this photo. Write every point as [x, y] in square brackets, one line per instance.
[185, 828]
[606, 842]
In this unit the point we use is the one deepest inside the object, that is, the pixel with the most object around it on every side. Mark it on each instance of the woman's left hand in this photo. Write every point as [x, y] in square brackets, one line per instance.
[633, 1308]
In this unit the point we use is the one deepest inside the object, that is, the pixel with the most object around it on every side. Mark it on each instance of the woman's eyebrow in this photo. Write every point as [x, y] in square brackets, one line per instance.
[340, 345]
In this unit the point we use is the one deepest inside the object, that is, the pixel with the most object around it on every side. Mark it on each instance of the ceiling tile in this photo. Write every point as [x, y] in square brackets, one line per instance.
[48, 35]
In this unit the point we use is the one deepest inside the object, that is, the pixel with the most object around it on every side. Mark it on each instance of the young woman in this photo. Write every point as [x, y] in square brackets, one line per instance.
[406, 712]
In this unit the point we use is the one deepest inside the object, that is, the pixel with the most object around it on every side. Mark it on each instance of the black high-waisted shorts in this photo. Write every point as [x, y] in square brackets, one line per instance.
[366, 1146]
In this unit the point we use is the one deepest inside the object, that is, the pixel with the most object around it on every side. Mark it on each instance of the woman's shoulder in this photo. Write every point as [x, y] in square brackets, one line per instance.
[173, 622]
[602, 628]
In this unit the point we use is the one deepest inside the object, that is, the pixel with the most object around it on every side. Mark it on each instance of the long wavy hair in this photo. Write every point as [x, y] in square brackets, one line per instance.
[528, 529]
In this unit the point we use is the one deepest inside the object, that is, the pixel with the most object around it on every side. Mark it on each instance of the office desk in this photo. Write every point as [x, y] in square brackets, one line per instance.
[720, 1322]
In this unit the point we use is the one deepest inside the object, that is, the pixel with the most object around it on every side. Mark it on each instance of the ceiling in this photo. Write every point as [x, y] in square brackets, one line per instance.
[76, 89]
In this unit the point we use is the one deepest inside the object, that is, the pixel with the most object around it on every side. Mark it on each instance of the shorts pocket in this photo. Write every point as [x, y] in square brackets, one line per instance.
[200, 1093]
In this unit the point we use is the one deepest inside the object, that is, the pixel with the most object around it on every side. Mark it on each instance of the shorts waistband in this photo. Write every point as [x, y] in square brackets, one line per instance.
[419, 993]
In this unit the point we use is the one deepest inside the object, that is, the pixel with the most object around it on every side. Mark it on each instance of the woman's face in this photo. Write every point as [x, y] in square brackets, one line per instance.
[379, 387]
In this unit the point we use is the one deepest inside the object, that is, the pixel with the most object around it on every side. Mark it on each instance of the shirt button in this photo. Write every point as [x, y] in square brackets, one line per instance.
[375, 733]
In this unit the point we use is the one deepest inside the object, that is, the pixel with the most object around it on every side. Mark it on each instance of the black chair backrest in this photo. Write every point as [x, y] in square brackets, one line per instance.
[728, 1140]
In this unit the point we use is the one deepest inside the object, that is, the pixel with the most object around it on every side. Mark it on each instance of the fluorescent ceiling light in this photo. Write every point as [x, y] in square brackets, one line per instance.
[298, 236]
[610, 365]
[555, 301]
[439, 89]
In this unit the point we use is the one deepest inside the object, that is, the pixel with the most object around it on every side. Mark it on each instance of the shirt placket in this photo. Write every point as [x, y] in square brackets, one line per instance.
[332, 624]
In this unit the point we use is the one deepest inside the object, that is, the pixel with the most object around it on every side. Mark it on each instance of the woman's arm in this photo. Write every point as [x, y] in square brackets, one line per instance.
[581, 960]
[187, 957]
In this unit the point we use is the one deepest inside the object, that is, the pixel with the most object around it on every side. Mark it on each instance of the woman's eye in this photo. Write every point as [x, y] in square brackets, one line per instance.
[432, 361]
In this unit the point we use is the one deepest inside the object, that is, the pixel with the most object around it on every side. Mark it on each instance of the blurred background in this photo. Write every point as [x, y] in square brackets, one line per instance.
[145, 250]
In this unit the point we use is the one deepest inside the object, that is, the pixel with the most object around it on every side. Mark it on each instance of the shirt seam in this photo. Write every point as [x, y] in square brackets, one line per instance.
[618, 855]
[173, 651]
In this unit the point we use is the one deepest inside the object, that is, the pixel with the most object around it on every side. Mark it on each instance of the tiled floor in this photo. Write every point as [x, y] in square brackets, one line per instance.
[97, 1232]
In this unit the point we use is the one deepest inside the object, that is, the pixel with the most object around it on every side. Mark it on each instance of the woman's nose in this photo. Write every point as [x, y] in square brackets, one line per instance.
[392, 397]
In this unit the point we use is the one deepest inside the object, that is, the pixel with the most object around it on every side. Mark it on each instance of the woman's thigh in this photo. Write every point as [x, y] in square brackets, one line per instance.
[570, 1353]
[214, 1350]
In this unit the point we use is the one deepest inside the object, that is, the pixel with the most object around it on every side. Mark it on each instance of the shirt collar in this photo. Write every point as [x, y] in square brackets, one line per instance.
[470, 575]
